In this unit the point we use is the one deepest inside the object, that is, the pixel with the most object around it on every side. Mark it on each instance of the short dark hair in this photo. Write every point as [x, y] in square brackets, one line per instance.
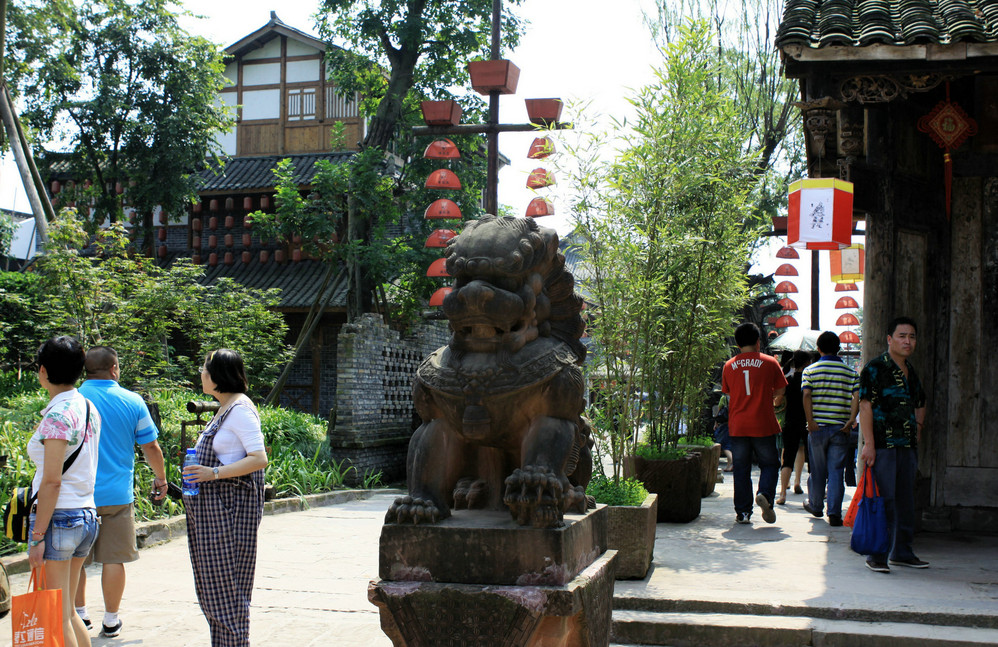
[225, 367]
[747, 334]
[100, 359]
[801, 358]
[63, 358]
[900, 321]
[828, 343]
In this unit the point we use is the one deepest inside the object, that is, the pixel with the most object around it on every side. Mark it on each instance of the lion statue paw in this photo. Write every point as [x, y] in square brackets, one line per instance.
[414, 510]
[536, 496]
[470, 494]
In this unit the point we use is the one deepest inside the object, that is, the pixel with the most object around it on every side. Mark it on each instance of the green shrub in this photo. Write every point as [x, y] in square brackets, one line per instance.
[616, 491]
[703, 441]
[655, 454]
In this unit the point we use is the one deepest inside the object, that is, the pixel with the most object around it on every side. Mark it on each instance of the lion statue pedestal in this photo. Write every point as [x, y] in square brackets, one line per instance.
[495, 543]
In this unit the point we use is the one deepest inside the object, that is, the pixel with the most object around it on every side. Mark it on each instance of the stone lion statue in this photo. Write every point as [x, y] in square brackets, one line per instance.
[502, 404]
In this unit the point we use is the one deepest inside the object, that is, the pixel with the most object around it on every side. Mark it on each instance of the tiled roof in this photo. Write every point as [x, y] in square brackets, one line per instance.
[299, 281]
[820, 23]
[257, 173]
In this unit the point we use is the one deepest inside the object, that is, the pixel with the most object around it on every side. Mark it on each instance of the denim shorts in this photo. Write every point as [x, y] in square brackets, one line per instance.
[71, 533]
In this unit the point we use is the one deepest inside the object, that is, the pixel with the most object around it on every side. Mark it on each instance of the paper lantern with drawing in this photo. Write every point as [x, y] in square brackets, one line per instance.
[787, 304]
[786, 321]
[787, 252]
[846, 287]
[438, 297]
[437, 268]
[849, 337]
[786, 287]
[845, 303]
[847, 265]
[847, 319]
[786, 270]
[820, 214]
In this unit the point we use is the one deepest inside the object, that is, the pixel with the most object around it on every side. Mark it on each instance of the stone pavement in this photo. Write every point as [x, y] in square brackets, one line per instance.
[314, 567]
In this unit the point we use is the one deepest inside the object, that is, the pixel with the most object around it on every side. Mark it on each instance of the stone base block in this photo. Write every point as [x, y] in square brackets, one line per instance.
[484, 547]
[436, 614]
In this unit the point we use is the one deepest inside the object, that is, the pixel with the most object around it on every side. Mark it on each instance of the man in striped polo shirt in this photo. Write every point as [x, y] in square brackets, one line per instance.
[831, 401]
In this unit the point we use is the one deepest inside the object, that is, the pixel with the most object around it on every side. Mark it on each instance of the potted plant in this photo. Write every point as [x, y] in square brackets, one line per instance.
[494, 76]
[441, 113]
[674, 475]
[710, 456]
[543, 112]
[631, 518]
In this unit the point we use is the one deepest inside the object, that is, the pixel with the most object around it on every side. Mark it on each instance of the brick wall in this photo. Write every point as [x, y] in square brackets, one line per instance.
[373, 417]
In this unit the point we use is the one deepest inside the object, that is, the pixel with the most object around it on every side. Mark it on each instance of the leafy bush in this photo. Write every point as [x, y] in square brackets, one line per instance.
[651, 453]
[616, 491]
[703, 441]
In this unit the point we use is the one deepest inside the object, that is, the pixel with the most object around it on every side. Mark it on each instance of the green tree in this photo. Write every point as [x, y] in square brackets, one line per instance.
[128, 95]
[666, 230]
[159, 319]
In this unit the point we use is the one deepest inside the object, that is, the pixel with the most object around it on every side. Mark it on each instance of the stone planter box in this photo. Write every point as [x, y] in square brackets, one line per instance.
[631, 532]
[709, 459]
[676, 482]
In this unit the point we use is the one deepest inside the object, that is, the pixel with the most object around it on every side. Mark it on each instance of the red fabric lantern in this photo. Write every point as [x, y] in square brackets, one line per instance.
[820, 214]
[438, 297]
[539, 207]
[443, 179]
[786, 270]
[541, 148]
[442, 149]
[786, 287]
[442, 209]
[846, 287]
[540, 178]
[787, 304]
[847, 319]
[439, 238]
[847, 265]
[845, 303]
[849, 337]
[437, 268]
[787, 252]
[786, 321]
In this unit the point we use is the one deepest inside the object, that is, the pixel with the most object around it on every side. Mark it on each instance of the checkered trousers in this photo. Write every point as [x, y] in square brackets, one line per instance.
[222, 524]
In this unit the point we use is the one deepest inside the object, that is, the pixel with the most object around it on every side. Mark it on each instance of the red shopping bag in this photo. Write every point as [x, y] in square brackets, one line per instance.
[36, 616]
[867, 486]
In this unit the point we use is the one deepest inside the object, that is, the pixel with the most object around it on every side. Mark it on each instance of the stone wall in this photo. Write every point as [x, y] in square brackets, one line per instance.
[373, 417]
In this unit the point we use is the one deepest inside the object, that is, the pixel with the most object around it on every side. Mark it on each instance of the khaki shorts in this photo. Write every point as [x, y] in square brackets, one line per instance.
[116, 540]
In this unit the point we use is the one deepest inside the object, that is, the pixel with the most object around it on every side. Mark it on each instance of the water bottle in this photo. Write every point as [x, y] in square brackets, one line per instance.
[190, 489]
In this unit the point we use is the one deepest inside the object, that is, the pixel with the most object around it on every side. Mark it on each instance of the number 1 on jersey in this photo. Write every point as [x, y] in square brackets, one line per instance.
[748, 387]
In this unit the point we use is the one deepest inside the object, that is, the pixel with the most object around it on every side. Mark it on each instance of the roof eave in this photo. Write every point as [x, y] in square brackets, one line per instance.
[274, 27]
[928, 52]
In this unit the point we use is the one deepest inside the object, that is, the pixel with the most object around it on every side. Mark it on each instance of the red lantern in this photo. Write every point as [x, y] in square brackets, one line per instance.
[541, 148]
[161, 234]
[847, 265]
[279, 256]
[787, 304]
[847, 319]
[247, 204]
[196, 259]
[196, 242]
[213, 223]
[442, 149]
[229, 258]
[196, 224]
[247, 257]
[213, 259]
[264, 256]
[230, 221]
[437, 268]
[162, 251]
[228, 240]
[443, 179]
[56, 187]
[247, 239]
[230, 203]
[786, 287]
[540, 178]
[820, 214]
[786, 321]
[442, 209]
[213, 241]
[438, 297]
[539, 207]
[786, 270]
[493, 76]
[264, 202]
[213, 206]
[439, 238]
[846, 287]
[849, 337]
[787, 252]
[846, 302]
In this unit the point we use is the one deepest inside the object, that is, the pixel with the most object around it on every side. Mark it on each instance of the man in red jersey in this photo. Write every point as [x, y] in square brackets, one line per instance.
[755, 385]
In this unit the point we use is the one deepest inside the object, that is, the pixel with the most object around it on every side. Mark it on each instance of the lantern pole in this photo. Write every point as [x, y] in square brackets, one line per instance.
[815, 289]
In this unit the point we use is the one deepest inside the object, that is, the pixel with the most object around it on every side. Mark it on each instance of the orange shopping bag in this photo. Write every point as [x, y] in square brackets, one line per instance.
[36, 616]
[863, 489]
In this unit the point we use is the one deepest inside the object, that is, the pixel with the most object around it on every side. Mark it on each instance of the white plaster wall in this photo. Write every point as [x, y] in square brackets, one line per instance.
[261, 104]
[297, 48]
[232, 72]
[299, 71]
[271, 50]
[262, 74]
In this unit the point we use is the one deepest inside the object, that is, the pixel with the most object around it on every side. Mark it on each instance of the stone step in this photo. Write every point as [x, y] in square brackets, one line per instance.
[741, 630]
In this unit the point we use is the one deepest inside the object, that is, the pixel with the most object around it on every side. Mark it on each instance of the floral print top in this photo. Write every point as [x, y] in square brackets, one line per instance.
[65, 419]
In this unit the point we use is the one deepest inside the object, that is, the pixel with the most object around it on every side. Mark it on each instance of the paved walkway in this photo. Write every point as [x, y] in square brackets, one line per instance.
[314, 568]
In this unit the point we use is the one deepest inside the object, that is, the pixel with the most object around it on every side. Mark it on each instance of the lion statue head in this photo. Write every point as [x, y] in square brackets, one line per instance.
[510, 288]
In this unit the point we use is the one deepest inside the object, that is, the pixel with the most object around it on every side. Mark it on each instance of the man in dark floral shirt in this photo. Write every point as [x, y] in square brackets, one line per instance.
[891, 413]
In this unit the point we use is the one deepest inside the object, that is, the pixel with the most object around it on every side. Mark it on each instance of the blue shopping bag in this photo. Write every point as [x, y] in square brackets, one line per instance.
[869, 530]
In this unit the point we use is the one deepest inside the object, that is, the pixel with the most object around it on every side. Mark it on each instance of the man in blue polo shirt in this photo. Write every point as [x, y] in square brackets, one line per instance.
[831, 401]
[125, 423]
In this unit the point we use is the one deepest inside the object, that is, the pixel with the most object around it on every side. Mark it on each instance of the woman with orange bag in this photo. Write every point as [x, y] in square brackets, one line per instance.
[63, 448]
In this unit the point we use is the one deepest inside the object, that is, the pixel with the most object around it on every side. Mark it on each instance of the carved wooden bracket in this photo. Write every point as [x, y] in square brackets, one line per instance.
[882, 88]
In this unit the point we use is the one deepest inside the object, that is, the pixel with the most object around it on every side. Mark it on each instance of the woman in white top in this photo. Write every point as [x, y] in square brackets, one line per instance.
[63, 448]
[223, 518]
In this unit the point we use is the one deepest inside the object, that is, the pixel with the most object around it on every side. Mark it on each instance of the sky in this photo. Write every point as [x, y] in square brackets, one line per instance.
[577, 50]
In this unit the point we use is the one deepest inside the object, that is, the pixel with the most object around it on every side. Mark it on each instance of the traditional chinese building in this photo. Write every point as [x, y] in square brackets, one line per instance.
[900, 97]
